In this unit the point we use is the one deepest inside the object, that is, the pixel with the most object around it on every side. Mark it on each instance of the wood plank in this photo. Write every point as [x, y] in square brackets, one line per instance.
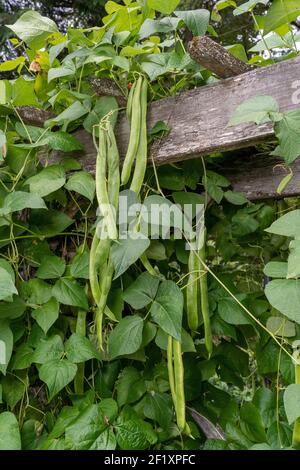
[216, 58]
[258, 176]
[198, 118]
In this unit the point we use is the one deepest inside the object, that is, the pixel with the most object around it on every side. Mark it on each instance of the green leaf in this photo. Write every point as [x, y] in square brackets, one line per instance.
[48, 349]
[49, 222]
[251, 423]
[47, 314]
[288, 225]
[236, 198]
[47, 181]
[142, 291]
[9, 65]
[69, 292]
[280, 13]
[133, 433]
[291, 400]
[167, 308]
[51, 267]
[19, 200]
[6, 345]
[23, 357]
[130, 386]
[287, 132]
[22, 92]
[10, 438]
[75, 111]
[158, 406]
[126, 338]
[14, 387]
[256, 109]
[7, 286]
[57, 374]
[248, 6]
[80, 265]
[80, 349]
[265, 401]
[2, 144]
[279, 326]
[33, 29]
[83, 183]
[67, 69]
[163, 6]
[284, 295]
[196, 21]
[127, 251]
[232, 313]
[36, 291]
[276, 269]
[293, 260]
[90, 431]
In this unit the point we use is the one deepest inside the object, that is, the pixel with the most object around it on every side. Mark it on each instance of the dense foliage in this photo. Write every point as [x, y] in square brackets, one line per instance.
[58, 388]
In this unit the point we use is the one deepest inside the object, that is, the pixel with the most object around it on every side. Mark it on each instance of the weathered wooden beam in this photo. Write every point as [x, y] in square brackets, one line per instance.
[258, 176]
[216, 58]
[198, 119]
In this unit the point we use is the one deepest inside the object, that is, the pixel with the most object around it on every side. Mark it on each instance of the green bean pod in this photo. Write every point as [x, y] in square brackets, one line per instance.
[134, 132]
[81, 330]
[129, 101]
[204, 300]
[141, 156]
[113, 168]
[192, 290]
[106, 280]
[296, 430]
[101, 187]
[179, 385]
[93, 270]
[171, 369]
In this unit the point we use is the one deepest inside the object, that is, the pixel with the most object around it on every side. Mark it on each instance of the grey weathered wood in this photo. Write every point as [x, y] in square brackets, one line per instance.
[216, 58]
[258, 176]
[34, 116]
[198, 118]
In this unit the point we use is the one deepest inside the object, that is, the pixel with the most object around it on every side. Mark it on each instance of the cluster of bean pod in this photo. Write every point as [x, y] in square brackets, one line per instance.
[197, 293]
[107, 191]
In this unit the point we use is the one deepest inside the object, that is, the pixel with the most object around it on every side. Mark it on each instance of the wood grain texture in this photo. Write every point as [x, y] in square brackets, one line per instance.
[258, 176]
[216, 58]
[198, 118]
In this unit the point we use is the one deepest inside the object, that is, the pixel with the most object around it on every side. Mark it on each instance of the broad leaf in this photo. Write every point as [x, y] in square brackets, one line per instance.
[7, 286]
[127, 251]
[51, 267]
[19, 200]
[83, 183]
[47, 181]
[163, 6]
[167, 308]
[280, 13]
[69, 292]
[284, 295]
[126, 338]
[142, 291]
[80, 349]
[196, 21]
[48, 349]
[10, 438]
[47, 314]
[6, 345]
[287, 131]
[291, 400]
[57, 374]
[287, 225]
[256, 109]
[33, 28]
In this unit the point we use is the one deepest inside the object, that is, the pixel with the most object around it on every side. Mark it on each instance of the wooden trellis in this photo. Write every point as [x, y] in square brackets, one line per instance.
[198, 120]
